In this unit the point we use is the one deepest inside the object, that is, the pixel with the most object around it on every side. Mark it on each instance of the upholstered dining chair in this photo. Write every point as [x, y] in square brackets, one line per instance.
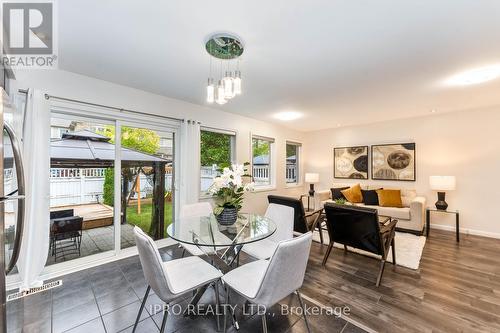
[193, 210]
[266, 282]
[172, 279]
[283, 217]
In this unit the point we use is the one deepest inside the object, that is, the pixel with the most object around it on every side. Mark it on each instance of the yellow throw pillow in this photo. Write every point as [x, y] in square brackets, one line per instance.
[389, 198]
[353, 194]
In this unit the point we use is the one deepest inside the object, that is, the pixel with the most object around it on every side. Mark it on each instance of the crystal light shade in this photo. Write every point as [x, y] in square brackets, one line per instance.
[237, 83]
[228, 85]
[210, 91]
[220, 94]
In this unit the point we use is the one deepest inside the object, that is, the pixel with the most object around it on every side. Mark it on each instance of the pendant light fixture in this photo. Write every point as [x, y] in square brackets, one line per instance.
[210, 91]
[226, 48]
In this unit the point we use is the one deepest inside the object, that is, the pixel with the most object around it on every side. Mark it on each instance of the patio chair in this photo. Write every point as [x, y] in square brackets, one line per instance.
[64, 226]
[359, 227]
[283, 217]
[172, 279]
[266, 282]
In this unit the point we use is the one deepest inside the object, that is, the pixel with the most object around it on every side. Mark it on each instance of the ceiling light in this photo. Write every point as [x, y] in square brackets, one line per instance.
[210, 91]
[433, 111]
[225, 48]
[474, 76]
[288, 115]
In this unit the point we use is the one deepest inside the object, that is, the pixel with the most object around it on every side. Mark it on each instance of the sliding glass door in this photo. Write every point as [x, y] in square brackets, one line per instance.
[147, 164]
[81, 216]
[108, 174]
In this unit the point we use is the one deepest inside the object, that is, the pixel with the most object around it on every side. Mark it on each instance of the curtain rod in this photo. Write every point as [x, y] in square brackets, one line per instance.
[47, 96]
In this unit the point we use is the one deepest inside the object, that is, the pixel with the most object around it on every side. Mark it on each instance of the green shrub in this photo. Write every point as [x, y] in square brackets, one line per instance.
[109, 187]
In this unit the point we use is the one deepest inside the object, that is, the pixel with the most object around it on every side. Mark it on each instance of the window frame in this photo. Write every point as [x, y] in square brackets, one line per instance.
[272, 162]
[298, 163]
[233, 134]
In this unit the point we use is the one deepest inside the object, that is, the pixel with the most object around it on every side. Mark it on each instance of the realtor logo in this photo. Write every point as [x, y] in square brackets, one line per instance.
[28, 32]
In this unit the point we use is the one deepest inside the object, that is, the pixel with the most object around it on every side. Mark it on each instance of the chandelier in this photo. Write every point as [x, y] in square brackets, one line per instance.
[226, 49]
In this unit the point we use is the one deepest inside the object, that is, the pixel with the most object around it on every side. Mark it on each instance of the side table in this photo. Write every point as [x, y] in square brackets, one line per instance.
[428, 220]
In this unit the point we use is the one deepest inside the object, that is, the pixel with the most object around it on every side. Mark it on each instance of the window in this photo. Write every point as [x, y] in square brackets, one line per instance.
[262, 156]
[292, 162]
[216, 152]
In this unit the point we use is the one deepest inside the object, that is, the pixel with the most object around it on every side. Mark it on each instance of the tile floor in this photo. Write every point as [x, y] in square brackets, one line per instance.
[107, 299]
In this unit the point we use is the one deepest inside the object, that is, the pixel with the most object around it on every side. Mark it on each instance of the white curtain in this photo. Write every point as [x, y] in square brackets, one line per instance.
[190, 162]
[36, 158]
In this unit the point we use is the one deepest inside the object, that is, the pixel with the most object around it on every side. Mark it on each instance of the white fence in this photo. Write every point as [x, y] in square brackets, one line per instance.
[260, 175]
[84, 186]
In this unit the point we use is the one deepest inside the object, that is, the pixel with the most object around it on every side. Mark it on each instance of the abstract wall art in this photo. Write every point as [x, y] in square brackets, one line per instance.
[350, 162]
[394, 162]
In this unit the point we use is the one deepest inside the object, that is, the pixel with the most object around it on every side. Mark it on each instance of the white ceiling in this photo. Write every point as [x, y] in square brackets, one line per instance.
[338, 62]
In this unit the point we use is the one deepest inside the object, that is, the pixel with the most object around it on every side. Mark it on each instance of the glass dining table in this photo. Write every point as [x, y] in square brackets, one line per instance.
[225, 241]
[221, 243]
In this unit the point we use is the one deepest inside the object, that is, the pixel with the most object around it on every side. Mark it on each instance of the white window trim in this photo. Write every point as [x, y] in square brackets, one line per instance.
[205, 195]
[272, 162]
[299, 182]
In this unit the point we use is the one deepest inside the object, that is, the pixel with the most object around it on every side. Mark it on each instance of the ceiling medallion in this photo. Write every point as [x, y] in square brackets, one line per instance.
[226, 49]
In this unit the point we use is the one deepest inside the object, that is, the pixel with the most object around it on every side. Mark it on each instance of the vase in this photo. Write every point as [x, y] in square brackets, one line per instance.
[228, 216]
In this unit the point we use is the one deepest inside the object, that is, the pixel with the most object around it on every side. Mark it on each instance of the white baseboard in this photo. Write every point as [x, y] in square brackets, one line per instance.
[466, 231]
[75, 265]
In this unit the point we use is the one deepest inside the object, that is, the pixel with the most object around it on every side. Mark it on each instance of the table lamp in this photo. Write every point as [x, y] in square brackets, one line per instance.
[312, 178]
[442, 184]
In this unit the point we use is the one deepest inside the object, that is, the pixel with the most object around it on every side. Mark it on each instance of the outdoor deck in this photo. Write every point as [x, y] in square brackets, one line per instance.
[94, 215]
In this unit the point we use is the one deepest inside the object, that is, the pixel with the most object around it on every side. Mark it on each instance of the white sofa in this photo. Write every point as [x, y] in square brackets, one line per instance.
[410, 218]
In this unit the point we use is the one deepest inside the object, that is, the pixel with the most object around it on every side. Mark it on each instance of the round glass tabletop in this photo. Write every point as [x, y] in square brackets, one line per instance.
[206, 231]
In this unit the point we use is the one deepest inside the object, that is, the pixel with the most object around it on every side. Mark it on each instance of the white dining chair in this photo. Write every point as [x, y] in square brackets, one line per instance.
[266, 282]
[283, 218]
[194, 210]
[172, 279]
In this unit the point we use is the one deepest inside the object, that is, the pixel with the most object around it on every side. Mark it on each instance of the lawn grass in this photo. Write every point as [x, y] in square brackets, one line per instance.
[143, 220]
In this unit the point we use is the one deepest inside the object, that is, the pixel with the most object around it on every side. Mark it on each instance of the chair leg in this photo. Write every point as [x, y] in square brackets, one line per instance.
[226, 304]
[141, 308]
[264, 323]
[183, 253]
[303, 311]
[327, 254]
[320, 233]
[345, 248]
[164, 321]
[217, 304]
[380, 272]
[393, 252]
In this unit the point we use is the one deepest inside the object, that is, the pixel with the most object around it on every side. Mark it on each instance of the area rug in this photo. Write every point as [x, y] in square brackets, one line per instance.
[409, 248]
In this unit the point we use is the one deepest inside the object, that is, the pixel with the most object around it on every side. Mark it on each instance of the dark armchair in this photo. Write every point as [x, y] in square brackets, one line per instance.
[360, 227]
[303, 221]
[64, 226]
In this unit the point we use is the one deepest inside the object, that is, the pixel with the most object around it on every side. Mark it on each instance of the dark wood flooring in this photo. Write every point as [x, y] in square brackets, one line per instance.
[456, 289]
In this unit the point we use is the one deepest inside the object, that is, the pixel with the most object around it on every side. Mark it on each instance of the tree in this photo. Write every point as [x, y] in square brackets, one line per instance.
[260, 147]
[215, 149]
[140, 139]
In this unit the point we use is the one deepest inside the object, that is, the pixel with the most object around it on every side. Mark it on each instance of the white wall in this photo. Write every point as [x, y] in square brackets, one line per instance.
[75, 86]
[465, 144]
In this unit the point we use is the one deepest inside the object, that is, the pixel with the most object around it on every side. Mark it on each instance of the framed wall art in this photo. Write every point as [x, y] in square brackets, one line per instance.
[394, 162]
[350, 162]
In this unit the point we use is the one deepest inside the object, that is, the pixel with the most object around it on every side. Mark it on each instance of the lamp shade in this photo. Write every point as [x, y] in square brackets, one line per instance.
[442, 183]
[312, 178]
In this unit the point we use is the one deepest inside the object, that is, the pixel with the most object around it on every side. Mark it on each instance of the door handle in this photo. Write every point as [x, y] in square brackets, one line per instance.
[21, 192]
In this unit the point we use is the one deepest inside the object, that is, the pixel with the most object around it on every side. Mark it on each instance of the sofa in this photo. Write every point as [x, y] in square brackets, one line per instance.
[411, 217]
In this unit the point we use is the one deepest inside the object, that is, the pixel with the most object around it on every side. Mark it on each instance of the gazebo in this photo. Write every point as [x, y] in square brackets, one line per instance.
[86, 149]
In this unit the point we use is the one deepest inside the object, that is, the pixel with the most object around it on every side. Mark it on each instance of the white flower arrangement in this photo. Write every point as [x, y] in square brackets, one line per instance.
[229, 187]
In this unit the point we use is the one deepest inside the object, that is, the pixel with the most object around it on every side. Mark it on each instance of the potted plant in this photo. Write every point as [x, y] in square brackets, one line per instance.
[228, 190]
